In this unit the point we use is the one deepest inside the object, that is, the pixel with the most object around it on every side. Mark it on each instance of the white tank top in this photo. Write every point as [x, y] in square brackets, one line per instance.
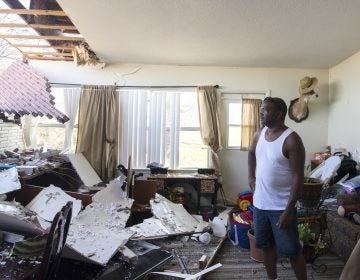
[273, 173]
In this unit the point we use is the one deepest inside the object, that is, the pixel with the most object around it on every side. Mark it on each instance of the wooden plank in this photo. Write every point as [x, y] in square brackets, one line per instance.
[43, 46]
[58, 13]
[41, 26]
[49, 58]
[61, 38]
[47, 53]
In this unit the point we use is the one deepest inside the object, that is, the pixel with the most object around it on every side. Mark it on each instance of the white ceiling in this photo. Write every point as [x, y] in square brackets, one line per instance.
[248, 33]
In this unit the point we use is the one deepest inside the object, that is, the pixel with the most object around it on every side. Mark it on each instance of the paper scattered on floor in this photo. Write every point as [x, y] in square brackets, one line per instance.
[50, 201]
[97, 232]
[9, 180]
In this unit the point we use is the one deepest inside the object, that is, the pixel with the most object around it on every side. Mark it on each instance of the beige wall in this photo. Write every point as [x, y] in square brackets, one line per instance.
[281, 82]
[344, 104]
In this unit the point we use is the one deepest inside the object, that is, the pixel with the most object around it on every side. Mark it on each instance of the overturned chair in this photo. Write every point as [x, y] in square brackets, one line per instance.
[51, 256]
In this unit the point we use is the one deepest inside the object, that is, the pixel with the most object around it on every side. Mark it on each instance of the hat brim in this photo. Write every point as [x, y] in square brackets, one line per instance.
[314, 82]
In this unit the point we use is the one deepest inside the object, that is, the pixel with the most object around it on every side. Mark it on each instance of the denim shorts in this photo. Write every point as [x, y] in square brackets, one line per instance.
[267, 233]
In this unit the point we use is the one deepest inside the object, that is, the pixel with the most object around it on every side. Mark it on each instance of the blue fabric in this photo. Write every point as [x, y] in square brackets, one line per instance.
[4, 166]
[267, 233]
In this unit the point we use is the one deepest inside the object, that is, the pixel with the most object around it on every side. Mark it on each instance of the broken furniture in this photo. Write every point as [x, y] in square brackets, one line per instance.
[27, 193]
[44, 167]
[344, 234]
[55, 243]
[47, 268]
[61, 174]
[204, 185]
[41, 168]
[142, 191]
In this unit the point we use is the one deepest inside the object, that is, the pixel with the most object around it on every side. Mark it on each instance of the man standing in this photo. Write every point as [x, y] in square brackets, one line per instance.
[276, 173]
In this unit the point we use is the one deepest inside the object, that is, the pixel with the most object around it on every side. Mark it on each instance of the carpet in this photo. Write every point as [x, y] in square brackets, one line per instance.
[237, 264]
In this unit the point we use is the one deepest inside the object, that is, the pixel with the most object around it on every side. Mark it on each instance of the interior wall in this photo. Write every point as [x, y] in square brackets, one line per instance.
[344, 100]
[281, 82]
[11, 136]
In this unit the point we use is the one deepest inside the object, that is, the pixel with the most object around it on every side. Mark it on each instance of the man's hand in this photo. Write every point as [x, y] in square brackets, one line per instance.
[284, 219]
[252, 184]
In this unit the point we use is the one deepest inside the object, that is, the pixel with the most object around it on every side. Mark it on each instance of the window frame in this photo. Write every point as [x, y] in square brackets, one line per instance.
[35, 124]
[169, 90]
[236, 97]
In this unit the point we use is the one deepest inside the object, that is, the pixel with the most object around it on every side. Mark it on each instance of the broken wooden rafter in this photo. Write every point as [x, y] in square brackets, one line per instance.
[48, 58]
[38, 12]
[47, 53]
[61, 38]
[43, 46]
[41, 26]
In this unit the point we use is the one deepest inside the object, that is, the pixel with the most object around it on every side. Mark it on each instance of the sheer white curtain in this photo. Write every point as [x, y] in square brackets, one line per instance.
[29, 124]
[133, 112]
[149, 127]
[71, 106]
[157, 127]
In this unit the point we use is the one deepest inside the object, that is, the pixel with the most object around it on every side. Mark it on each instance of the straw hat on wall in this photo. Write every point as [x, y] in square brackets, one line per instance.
[298, 109]
[307, 85]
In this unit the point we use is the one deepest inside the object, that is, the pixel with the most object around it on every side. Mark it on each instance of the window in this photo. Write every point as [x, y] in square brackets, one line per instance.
[239, 127]
[234, 124]
[49, 132]
[161, 126]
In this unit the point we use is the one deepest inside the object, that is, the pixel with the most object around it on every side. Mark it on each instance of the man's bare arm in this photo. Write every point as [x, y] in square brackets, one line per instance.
[252, 161]
[294, 150]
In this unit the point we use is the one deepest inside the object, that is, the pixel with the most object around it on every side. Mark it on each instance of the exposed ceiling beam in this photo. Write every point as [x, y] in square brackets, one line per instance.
[48, 58]
[48, 53]
[42, 46]
[38, 12]
[61, 38]
[42, 26]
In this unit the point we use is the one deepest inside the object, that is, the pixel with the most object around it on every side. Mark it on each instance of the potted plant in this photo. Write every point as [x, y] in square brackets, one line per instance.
[255, 253]
[310, 242]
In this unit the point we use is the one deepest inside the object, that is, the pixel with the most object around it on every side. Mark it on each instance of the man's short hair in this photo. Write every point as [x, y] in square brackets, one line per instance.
[279, 104]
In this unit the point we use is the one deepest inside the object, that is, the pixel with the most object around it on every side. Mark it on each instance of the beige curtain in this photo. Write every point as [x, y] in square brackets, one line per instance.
[250, 121]
[98, 129]
[209, 104]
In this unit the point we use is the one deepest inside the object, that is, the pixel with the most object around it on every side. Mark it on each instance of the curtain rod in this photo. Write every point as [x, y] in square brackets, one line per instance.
[70, 85]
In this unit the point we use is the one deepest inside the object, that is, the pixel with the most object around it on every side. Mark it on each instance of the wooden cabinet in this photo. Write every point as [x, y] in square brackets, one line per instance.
[204, 185]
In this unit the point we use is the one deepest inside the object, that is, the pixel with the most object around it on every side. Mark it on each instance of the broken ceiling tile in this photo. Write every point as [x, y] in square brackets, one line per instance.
[50, 201]
[169, 218]
[149, 228]
[97, 232]
[113, 192]
[86, 172]
[9, 180]
[173, 216]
